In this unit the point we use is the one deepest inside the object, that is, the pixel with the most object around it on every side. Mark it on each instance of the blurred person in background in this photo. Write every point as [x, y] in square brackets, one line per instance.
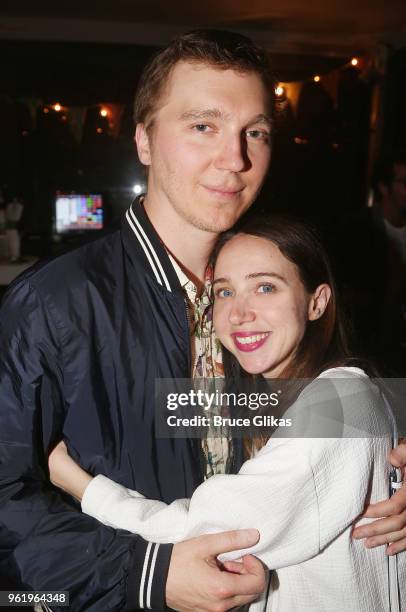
[371, 259]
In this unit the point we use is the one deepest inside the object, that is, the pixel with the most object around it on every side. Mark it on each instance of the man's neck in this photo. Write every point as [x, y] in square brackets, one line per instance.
[189, 245]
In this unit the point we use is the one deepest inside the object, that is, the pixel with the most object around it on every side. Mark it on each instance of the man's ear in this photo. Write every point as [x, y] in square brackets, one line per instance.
[143, 147]
[318, 302]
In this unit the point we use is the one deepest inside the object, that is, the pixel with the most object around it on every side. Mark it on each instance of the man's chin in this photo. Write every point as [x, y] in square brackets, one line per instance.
[214, 224]
[225, 220]
[214, 219]
[218, 226]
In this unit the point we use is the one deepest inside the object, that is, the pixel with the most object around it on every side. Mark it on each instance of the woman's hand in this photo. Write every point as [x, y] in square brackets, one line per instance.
[65, 473]
[391, 529]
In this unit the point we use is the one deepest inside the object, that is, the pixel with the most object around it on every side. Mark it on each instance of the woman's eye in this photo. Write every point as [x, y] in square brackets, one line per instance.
[268, 288]
[223, 293]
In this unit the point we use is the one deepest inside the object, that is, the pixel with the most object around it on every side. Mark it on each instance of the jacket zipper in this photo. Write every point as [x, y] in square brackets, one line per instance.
[188, 324]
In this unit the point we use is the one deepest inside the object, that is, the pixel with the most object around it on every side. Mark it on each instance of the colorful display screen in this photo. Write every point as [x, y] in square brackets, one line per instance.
[78, 213]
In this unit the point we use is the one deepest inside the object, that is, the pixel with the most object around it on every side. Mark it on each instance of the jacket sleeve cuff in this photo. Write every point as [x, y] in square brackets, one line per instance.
[146, 581]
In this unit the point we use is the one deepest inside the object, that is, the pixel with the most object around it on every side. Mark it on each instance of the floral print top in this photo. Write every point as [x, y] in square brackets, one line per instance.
[206, 361]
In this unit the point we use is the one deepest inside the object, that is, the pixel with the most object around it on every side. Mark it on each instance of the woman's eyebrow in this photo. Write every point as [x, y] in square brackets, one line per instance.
[267, 274]
[225, 279]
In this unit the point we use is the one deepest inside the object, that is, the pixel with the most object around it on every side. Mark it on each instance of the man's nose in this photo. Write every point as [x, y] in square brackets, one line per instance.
[232, 154]
[241, 312]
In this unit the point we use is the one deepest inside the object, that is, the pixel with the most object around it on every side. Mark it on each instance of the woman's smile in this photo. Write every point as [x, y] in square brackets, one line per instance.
[249, 340]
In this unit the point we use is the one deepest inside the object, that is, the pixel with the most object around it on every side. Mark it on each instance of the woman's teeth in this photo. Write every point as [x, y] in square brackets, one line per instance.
[251, 339]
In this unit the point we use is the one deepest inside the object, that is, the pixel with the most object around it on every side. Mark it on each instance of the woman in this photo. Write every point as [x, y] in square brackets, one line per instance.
[275, 313]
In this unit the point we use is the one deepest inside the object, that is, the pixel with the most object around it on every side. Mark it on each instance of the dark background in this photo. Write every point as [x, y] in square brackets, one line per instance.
[325, 143]
[88, 53]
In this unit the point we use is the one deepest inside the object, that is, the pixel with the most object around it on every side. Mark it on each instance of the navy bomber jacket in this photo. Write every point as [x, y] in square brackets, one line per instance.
[82, 339]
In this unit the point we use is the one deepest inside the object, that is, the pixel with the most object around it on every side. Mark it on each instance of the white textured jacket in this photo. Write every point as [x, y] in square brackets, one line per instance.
[303, 494]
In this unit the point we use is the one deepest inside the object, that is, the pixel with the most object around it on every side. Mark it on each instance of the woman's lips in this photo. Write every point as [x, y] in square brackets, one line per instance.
[249, 341]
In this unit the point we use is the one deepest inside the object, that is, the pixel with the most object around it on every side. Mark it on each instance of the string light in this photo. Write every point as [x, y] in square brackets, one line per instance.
[280, 92]
[301, 141]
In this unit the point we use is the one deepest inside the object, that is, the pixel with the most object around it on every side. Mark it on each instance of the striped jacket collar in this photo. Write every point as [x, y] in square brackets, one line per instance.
[142, 242]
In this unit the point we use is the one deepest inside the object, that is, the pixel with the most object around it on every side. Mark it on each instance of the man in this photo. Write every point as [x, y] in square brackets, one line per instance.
[84, 337]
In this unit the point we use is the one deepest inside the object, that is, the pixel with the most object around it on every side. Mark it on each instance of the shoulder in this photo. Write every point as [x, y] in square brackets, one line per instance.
[345, 377]
[341, 403]
[350, 400]
[78, 263]
[57, 275]
[345, 381]
[64, 283]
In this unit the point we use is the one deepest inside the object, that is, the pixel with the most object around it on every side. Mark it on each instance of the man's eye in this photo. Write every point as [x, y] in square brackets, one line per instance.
[266, 288]
[201, 127]
[223, 293]
[258, 135]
